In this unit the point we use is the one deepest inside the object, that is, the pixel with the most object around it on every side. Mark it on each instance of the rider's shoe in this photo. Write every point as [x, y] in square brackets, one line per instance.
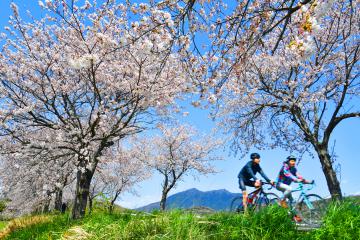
[297, 219]
[283, 204]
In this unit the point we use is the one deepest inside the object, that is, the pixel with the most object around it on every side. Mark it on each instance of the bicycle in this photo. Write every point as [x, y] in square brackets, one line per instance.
[256, 199]
[309, 207]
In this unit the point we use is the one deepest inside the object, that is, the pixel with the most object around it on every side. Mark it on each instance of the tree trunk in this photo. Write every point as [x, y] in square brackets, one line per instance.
[330, 174]
[167, 186]
[90, 204]
[58, 199]
[83, 181]
[112, 202]
[163, 200]
[111, 207]
[46, 207]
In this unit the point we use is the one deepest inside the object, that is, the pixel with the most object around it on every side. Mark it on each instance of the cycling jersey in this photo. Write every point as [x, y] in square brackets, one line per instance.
[288, 174]
[249, 171]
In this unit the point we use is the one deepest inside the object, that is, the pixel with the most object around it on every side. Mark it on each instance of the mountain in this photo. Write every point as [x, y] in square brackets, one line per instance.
[216, 199]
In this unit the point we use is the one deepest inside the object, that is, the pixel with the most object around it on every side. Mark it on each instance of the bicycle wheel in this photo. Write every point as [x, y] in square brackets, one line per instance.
[237, 205]
[266, 199]
[312, 209]
[273, 199]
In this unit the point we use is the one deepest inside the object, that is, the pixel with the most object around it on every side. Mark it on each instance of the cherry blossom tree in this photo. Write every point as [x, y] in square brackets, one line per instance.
[296, 96]
[117, 173]
[88, 76]
[121, 172]
[177, 152]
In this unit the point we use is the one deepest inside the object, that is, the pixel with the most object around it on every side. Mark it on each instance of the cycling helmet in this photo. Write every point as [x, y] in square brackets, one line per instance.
[291, 157]
[254, 155]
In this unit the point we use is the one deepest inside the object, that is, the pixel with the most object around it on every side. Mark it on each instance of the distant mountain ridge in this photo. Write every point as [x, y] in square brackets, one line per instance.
[215, 199]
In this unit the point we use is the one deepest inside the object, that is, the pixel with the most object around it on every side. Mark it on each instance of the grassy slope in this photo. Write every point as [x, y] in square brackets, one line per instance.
[342, 222]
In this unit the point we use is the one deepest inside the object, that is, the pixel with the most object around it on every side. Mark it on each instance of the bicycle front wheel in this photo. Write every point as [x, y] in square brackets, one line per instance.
[266, 200]
[236, 205]
[273, 199]
[312, 209]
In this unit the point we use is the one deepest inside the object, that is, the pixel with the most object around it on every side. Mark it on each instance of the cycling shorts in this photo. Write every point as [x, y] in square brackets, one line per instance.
[247, 182]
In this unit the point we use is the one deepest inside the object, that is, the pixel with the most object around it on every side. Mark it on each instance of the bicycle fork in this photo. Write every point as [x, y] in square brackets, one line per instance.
[307, 202]
[303, 198]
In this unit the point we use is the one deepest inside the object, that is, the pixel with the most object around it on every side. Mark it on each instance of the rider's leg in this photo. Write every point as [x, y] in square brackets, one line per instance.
[286, 189]
[249, 183]
[244, 193]
[256, 184]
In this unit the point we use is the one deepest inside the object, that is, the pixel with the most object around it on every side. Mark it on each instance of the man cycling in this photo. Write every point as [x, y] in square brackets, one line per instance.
[288, 173]
[247, 176]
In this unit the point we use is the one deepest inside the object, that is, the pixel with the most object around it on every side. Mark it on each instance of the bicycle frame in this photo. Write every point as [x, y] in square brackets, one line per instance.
[302, 196]
[255, 200]
[259, 193]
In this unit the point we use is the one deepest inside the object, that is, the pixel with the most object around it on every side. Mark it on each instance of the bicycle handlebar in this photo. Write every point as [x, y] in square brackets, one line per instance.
[266, 183]
[301, 186]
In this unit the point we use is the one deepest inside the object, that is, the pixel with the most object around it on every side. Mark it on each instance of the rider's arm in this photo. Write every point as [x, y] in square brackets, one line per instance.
[264, 176]
[298, 175]
[287, 173]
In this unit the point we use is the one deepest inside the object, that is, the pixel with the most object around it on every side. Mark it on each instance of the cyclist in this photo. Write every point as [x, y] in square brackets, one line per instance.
[247, 176]
[288, 173]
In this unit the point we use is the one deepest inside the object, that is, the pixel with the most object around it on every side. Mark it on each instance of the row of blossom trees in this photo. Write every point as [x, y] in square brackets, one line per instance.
[74, 84]
[80, 80]
[33, 183]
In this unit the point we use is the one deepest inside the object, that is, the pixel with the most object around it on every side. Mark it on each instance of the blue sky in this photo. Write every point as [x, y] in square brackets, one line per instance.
[347, 149]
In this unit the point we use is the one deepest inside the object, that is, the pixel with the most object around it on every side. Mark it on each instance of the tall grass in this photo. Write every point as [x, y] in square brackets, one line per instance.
[36, 227]
[23, 222]
[270, 223]
[342, 222]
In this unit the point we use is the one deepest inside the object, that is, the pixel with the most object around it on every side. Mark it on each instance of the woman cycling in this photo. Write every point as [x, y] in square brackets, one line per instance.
[288, 173]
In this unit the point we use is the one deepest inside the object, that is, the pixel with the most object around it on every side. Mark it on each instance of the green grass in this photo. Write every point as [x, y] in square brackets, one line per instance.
[341, 222]
[3, 224]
